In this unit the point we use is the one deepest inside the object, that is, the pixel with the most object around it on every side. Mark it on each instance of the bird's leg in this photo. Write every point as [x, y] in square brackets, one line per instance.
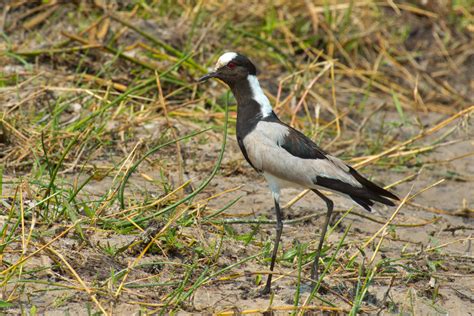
[330, 206]
[279, 229]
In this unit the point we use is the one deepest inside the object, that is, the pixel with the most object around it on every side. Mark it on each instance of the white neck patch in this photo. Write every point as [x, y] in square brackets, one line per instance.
[259, 96]
[224, 59]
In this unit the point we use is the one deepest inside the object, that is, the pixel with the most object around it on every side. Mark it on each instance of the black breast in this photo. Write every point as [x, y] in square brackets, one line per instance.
[249, 113]
[248, 116]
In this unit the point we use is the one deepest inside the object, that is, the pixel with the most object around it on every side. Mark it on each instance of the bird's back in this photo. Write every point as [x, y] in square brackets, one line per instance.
[277, 149]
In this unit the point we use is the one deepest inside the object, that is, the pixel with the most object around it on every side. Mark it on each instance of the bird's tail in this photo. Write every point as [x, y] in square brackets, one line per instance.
[364, 195]
[373, 192]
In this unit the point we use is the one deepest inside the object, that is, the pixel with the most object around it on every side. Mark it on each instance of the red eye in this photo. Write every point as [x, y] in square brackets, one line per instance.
[231, 65]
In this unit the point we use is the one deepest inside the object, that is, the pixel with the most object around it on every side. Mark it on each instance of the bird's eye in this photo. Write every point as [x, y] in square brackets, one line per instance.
[231, 65]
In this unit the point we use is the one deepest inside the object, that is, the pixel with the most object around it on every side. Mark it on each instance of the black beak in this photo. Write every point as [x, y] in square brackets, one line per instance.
[208, 76]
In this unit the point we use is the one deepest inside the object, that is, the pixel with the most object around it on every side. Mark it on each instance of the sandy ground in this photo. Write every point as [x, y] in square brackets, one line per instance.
[448, 290]
[433, 268]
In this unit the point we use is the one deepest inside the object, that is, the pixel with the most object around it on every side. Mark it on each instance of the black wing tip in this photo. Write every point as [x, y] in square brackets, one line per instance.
[386, 193]
[393, 196]
[366, 203]
[388, 202]
[369, 185]
[381, 199]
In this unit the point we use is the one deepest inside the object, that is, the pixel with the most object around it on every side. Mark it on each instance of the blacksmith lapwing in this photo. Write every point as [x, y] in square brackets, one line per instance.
[285, 156]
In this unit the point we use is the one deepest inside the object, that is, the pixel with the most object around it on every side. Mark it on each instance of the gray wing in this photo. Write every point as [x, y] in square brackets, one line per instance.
[275, 148]
[265, 148]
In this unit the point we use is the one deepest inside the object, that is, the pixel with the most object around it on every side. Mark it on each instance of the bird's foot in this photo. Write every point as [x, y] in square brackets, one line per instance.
[259, 293]
[310, 287]
[263, 292]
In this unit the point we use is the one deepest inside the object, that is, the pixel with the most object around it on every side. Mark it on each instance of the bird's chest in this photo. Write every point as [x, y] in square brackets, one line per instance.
[262, 145]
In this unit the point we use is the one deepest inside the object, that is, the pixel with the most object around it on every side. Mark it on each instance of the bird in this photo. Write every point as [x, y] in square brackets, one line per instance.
[285, 156]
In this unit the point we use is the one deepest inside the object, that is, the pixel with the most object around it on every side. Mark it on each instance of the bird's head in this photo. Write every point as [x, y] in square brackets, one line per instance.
[231, 68]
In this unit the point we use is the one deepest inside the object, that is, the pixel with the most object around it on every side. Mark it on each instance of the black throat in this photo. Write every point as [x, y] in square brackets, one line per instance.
[249, 111]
